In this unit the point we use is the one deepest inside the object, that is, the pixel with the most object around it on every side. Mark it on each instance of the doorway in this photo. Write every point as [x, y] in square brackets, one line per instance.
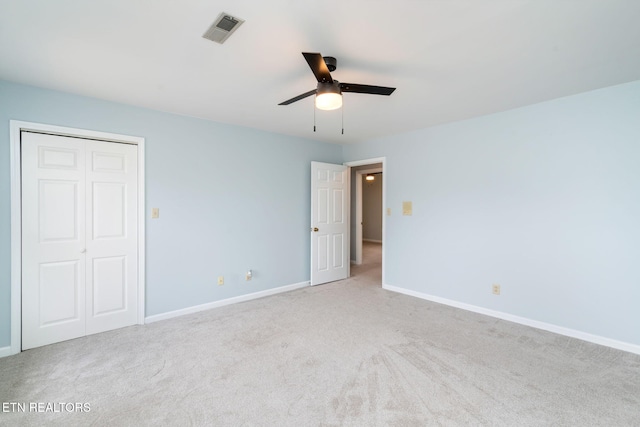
[77, 235]
[367, 218]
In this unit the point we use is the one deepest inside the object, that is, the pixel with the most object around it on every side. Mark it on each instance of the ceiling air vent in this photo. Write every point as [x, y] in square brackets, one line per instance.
[222, 28]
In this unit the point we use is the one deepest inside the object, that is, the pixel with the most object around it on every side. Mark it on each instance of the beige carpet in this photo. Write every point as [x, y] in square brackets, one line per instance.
[346, 353]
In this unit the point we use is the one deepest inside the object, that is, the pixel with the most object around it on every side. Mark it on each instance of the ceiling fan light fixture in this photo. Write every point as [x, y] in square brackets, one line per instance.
[328, 101]
[328, 96]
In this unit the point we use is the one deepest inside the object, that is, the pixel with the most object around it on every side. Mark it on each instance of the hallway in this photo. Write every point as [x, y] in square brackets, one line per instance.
[371, 267]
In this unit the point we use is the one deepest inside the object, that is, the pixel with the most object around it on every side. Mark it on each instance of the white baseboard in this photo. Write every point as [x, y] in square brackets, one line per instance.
[5, 351]
[372, 241]
[596, 339]
[221, 303]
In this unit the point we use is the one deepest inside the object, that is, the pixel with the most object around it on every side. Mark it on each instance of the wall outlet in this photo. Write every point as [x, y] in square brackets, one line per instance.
[249, 275]
[495, 288]
[220, 280]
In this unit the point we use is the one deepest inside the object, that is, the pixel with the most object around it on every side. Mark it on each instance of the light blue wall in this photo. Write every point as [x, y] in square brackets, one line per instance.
[543, 200]
[230, 198]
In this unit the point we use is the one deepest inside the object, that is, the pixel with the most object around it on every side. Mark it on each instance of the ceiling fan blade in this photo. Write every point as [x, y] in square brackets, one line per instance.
[318, 66]
[298, 98]
[373, 90]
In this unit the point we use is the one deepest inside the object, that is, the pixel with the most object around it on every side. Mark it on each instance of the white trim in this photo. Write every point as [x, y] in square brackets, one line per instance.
[596, 339]
[384, 216]
[372, 241]
[355, 163]
[142, 209]
[358, 220]
[15, 127]
[16, 237]
[228, 301]
[348, 222]
[5, 351]
[366, 162]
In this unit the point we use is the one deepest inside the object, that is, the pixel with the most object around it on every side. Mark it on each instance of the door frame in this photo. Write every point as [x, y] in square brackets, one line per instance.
[360, 211]
[365, 162]
[15, 128]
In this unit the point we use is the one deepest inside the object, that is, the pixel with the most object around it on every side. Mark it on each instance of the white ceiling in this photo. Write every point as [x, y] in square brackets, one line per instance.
[449, 60]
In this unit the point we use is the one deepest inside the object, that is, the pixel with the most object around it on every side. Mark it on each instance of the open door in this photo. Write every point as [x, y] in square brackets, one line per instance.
[329, 222]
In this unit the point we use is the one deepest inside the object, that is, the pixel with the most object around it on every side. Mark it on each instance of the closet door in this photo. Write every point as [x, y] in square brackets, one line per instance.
[53, 239]
[79, 237]
[112, 235]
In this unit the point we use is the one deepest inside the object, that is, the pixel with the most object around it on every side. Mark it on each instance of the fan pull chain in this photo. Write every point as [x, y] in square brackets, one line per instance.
[314, 117]
[342, 118]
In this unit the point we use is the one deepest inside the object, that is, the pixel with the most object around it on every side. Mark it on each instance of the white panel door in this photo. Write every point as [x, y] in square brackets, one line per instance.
[112, 242]
[79, 219]
[329, 223]
[53, 239]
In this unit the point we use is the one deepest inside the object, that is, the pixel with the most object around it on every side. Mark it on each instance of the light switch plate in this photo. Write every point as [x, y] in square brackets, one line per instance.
[388, 211]
[155, 213]
[407, 208]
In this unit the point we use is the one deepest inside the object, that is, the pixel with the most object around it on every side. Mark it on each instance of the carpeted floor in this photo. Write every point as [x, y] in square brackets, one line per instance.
[345, 353]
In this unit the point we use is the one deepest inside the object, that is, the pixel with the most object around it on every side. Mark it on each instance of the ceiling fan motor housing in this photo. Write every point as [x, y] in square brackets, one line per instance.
[331, 62]
[329, 88]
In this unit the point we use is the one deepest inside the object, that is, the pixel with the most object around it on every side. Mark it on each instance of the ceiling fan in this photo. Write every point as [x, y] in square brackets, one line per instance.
[329, 91]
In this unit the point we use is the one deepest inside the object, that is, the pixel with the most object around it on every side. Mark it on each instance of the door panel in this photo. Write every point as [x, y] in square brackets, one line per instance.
[338, 250]
[53, 239]
[322, 256]
[109, 213]
[338, 206]
[112, 243]
[109, 284]
[57, 158]
[58, 204]
[59, 294]
[329, 215]
[108, 162]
